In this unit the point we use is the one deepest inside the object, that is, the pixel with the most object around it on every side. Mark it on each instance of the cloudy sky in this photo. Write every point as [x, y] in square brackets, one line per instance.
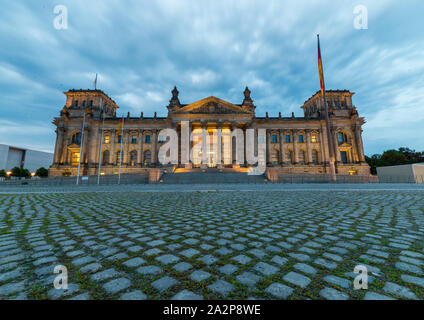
[141, 49]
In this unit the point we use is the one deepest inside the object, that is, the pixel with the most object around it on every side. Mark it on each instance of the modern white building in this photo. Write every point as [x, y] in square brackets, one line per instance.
[11, 157]
[407, 173]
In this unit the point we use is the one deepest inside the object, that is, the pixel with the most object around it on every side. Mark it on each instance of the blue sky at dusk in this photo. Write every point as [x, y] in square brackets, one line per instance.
[141, 49]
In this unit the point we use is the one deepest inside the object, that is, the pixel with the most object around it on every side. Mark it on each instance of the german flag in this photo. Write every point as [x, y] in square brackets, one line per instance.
[321, 72]
[121, 122]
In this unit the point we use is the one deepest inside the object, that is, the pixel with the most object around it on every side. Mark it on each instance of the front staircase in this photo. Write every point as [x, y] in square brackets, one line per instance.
[210, 176]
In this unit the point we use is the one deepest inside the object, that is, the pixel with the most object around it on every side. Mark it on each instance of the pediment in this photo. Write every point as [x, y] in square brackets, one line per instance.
[211, 105]
[345, 145]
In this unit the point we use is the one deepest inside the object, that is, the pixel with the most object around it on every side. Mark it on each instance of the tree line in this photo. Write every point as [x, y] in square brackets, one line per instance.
[24, 173]
[394, 157]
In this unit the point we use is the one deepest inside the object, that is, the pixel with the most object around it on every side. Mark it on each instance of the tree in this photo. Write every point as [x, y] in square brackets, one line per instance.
[42, 172]
[392, 158]
[3, 173]
[373, 162]
[412, 155]
[19, 172]
[16, 172]
[25, 173]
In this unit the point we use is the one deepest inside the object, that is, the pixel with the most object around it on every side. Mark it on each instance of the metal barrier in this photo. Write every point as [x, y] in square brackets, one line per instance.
[323, 178]
[84, 180]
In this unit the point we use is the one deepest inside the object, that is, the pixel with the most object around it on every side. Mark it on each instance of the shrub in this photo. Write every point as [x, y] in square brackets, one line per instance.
[42, 172]
[18, 172]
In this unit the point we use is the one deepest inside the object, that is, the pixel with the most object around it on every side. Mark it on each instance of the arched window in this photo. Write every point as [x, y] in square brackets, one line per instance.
[105, 157]
[147, 158]
[133, 158]
[314, 156]
[76, 138]
[118, 157]
[341, 137]
[302, 158]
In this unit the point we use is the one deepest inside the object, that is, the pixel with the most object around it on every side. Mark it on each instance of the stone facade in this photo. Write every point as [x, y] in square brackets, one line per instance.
[293, 144]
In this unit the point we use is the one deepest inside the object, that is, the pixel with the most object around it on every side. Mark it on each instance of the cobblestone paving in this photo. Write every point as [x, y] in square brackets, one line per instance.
[264, 243]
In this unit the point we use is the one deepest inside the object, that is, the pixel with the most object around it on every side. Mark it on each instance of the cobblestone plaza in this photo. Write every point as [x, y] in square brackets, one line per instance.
[212, 242]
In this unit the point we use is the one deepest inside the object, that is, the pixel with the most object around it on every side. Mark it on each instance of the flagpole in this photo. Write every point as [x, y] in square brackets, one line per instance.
[81, 146]
[101, 142]
[327, 123]
[120, 151]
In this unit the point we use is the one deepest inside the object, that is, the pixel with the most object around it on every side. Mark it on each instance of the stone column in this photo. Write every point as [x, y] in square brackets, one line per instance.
[64, 152]
[112, 158]
[85, 145]
[282, 156]
[140, 148]
[268, 147]
[58, 147]
[154, 147]
[125, 143]
[204, 163]
[354, 153]
[336, 147]
[295, 147]
[244, 145]
[324, 158]
[359, 144]
[308, 147]
[219, 146]
[92, 146]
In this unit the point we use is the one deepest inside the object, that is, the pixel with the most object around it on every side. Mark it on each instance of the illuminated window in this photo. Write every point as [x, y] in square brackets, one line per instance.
[134, 139]
[353, 172]
[147, 139]
[314, 138]
[288, 139]
[301, 139]
[75, 158]
[274, 138]
[107, 139]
